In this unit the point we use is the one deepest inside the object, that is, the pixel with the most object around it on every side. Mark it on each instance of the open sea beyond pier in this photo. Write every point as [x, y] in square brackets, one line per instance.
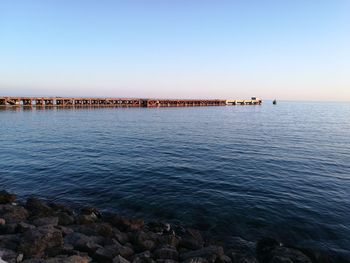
[251, 171]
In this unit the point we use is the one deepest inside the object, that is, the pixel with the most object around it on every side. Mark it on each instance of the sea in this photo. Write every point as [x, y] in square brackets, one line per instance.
[280, 171]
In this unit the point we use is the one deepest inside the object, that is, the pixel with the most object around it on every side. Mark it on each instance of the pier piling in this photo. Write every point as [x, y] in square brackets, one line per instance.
[119, 102]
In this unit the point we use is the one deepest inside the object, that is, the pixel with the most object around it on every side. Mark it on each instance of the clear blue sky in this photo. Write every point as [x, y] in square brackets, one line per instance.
[285, 49]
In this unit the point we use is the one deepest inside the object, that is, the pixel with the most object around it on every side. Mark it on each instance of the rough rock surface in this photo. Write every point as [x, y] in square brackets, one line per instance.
[40, 232]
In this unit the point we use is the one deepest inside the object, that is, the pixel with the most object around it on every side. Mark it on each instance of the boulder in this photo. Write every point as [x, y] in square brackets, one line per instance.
[210, 253]
[65, 259]
[123, 238]
[104, 255]
[65, 230]
[8, 255]
[8, 229]
[45, 221]
[89, 230]
[191, 239]
[196, 260]
[82, 242]
[169, 239]
[224, 259]
[91, 211]
[23, 227]
[144, 241]
[166, 253]
[2, 222]
[61, 208]
[64, 218]
[66, 249]
[265, 247]
[9, 241]
[125, 251]
[144, 257]
[242, 258]
[123, 223]
[120, 259]
[104, 229]
[6, 198]
[286, 255]
[160, 228]
[86, 219]
[35, 241]
[60, 259]
[241, 251]
[37, 208]
[13, 213]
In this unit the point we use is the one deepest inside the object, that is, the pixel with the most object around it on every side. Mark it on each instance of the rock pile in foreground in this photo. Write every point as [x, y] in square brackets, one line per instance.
[36, 231]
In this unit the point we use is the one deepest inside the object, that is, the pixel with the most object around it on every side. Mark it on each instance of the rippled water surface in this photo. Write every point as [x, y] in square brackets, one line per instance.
[279, 170]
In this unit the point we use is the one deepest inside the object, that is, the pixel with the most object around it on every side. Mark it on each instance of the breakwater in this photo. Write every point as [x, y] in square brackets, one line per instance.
[46, 232]
[121, 102]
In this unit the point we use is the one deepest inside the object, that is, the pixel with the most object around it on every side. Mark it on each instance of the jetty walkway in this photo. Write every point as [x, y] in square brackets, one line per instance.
[120, 102]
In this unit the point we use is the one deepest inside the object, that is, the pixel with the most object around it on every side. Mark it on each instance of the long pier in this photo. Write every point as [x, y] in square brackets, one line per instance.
[119, 102]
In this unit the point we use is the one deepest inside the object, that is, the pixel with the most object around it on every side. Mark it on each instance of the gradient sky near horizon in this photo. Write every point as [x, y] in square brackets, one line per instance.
[292, 49]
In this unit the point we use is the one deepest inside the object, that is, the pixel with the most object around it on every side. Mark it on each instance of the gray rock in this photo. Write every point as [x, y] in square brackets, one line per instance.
[144, 257]
[91, 211]
[19, 258]
[242, 257]
[60, 259]
[2, 222]
[196, 260]
[166, 253]
[23, 227]
[123, 223]
[123, 238]
[8, 255]
[170, 240]
[88, 230]
[104, 229]
[120, 259]
[192, 239]
[210, 253]
[45, 221]
[286, 255]
[264, 249]
[86, 219]
[64, 219]
[66, 249]
[144, 241]
[35, 241]
[166, 261]
[224, 259]
[9, 241]
[126, 251]
[82, 242]
[104, 255]
[10, 228]
[241, 251]
[71, 259]
[37, 208]
[6, 198]
[13, 214]
[65, 230]
[61, 208]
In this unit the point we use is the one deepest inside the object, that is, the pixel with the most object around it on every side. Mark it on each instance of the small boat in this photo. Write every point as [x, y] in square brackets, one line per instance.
[274, 102]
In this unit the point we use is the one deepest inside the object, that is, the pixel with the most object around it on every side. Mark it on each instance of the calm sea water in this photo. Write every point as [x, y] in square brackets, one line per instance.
[281, 171]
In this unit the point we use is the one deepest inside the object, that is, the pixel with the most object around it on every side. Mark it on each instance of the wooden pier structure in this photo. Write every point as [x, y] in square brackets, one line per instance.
[119, 102]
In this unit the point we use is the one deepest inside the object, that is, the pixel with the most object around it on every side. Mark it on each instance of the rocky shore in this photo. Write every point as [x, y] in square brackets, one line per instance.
[36, 231]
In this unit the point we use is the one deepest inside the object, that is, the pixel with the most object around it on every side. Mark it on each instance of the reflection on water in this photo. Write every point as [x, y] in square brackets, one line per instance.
[279, 170]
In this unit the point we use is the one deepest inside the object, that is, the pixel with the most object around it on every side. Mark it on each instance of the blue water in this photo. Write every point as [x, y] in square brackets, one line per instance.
[281, 171]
